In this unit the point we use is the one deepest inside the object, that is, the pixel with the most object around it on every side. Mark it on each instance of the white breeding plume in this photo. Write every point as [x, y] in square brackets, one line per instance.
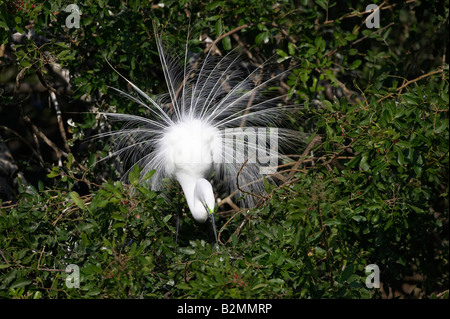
[213, 124]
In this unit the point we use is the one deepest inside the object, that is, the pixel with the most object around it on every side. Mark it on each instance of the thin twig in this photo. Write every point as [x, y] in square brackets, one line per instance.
[242, 225]
[39, 133]
[224, 36]
[357, 14]
[345, 147]
[239, 188]
[227, 222]
[370, 34]
[44, 81]
[228, 201]
[40, 256]
[316, 140]
[37, 153]
[59, 119]
[252, 97]
[440, 70]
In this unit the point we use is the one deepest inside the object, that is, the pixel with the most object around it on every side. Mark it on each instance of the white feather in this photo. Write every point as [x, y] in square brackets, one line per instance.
[193, 132]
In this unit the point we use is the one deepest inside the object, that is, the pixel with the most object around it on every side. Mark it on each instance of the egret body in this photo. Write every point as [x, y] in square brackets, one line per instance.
[207, 126]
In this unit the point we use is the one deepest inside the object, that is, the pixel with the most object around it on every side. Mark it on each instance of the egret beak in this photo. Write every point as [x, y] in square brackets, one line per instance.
[213, 222]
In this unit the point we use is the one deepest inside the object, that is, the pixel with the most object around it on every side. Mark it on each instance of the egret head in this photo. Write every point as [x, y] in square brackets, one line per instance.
[204, 203]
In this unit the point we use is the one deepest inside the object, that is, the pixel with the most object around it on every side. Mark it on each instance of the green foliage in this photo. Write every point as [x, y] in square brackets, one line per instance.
[375, 190]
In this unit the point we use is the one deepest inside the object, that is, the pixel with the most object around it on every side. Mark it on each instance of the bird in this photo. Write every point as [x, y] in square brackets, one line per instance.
[212, 126]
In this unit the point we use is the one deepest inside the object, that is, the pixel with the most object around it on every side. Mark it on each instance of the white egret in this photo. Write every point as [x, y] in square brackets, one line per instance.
[212, 121]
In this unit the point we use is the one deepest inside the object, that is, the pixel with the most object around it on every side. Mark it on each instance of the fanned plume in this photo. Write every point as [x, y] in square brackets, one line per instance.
[238, 127]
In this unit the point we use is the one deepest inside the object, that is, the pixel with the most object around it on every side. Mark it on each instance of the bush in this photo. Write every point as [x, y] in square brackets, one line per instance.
[369, 187]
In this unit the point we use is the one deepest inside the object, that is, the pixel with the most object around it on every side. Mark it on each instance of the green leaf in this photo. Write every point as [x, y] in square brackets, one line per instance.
[77, 200]
[442, 127]
[363, 164]
[133, 176]
[400, 157]
[352, 51]
[388, 224]
[213, 5]
[63, 54]
[226, 42]
[348, 271]
[54, 172]
[21, 283]
[410, 98]
[4, 25]
[69, 160]
[403, 144]
[359, 218]
[332, 222]
[379, 168]
[262, 37]
[117, 216]
[354, 161]
[218, 27]
[319, 43]
[40, 186]
[187, 250]
[355, 64]
[291, 48]
[328, 105]
[322, 3]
